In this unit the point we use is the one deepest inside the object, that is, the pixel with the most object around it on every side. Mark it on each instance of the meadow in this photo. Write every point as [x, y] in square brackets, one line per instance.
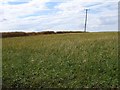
[81, 60]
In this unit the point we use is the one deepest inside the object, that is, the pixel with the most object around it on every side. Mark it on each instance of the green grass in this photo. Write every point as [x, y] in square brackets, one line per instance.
[61, 61]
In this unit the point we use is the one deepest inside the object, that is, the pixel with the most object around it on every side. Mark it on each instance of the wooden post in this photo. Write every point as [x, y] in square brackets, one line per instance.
[85, 29]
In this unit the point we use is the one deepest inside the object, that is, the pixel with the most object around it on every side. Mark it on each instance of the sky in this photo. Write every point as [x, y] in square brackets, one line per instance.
[58, 15]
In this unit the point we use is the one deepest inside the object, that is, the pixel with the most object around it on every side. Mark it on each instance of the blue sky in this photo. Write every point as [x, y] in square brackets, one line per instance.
[56, 15]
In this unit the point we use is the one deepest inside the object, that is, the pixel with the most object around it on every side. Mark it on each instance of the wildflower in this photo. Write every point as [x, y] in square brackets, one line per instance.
[84, 61]
[32, 60]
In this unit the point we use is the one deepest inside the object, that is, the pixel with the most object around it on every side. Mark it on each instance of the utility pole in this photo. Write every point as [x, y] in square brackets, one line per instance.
[85, 29]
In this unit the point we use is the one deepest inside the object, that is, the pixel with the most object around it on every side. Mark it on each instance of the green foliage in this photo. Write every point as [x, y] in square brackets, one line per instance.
[20, 34]
[61, 61]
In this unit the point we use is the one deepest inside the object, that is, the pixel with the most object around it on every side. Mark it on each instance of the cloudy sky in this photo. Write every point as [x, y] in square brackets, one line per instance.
[41, 15]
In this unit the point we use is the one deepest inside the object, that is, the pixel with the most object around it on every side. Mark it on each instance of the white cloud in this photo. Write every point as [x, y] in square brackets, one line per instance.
[24, 9]
[70, 15]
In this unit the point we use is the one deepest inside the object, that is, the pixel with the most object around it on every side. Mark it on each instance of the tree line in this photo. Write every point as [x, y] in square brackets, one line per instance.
[19, 34]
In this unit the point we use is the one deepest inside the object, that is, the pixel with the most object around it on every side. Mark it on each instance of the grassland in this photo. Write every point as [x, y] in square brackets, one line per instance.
[61, 61]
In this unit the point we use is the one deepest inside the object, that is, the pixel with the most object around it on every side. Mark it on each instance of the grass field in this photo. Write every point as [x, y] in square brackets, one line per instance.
[61, 61]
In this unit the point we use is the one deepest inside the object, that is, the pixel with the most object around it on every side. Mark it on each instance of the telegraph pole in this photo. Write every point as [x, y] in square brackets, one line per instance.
[85, 29]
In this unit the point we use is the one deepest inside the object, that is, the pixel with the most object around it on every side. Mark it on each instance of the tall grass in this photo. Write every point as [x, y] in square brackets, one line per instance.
[61, 61]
